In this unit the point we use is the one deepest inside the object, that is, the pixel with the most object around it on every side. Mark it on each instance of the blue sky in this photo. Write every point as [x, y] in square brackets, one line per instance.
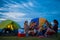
[21, 10]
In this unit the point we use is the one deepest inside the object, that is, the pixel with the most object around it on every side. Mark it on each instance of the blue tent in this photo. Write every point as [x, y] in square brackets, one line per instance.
[35, 20]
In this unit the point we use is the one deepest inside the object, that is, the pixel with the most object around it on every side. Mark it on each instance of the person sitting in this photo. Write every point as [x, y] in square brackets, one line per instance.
[49, 30]
[32, 30]
[55, 27]
[26, 27]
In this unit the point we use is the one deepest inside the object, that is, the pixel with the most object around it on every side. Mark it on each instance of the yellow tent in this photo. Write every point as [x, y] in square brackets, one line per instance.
[41, 22]
[9, 24]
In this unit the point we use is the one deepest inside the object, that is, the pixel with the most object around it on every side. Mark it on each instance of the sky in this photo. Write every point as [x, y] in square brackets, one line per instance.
[21, 10]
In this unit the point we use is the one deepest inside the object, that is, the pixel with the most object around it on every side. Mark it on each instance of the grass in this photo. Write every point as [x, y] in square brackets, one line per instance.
[28, 38]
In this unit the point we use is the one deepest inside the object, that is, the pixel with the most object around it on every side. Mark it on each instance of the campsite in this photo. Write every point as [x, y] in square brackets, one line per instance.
[29, 19]
[10, 30]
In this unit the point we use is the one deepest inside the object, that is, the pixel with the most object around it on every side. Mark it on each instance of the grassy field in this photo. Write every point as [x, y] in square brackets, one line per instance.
[28, 38]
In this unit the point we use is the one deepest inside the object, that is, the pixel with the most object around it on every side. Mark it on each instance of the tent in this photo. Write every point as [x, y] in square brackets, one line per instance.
[35, 20]
[39, 21]
[9, 27]
[7, 23]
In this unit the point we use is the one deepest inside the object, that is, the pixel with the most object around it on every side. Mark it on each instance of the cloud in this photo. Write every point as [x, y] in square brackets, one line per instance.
[22, 19]
[27, 6]
[18, 17]
[1, 8]
[13, 15]
[30, 4]
[15, 6]
[2, 19]
[22, 5]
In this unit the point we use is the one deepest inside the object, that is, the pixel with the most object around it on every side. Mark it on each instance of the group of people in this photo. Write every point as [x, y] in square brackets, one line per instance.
[45, 30]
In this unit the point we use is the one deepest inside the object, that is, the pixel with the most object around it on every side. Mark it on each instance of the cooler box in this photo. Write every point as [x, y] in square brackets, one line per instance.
[21, 33]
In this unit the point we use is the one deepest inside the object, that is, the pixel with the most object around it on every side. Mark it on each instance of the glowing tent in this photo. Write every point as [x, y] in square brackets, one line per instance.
[9, 24]
[9, 27]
